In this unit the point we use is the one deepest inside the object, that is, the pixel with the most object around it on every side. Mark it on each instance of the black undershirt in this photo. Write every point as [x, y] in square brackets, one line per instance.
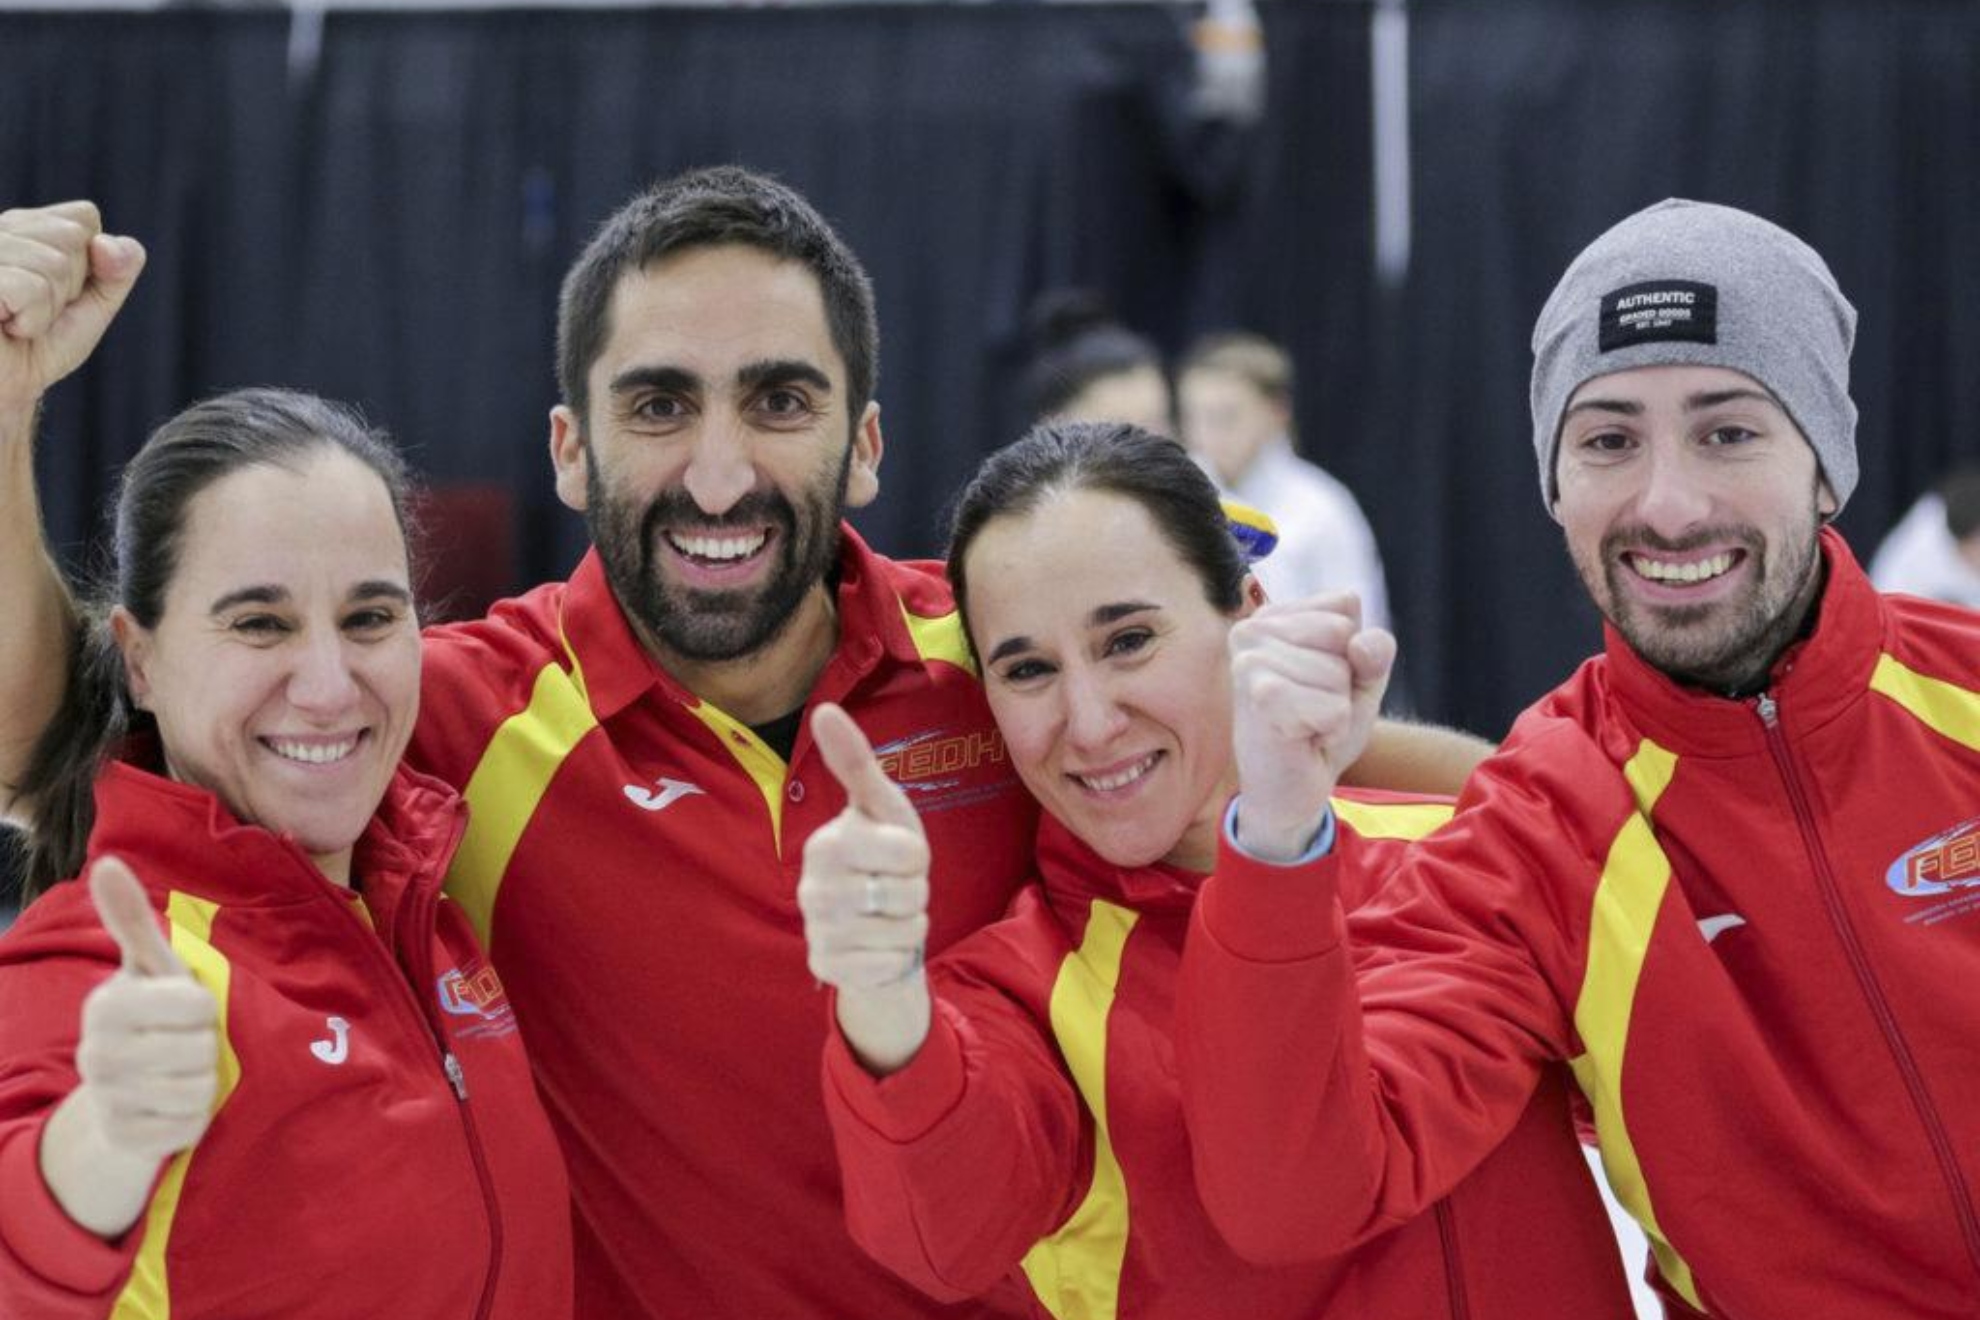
[780, 734]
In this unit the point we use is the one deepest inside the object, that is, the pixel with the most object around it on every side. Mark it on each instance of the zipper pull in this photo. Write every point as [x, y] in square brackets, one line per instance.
[455, 1073]
[1769, 710]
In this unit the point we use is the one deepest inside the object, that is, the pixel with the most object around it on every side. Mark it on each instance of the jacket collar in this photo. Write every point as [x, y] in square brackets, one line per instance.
[1814, 681]
[618, 671]
[1073, 871]
[173, 834]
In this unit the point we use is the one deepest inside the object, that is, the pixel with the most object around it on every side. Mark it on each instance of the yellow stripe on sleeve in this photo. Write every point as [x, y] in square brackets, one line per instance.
[940, 637]
[1392, 820]
[147, 1294]
[509, 782]
[1939, 705]
[1635, 878]
[1076, 1272]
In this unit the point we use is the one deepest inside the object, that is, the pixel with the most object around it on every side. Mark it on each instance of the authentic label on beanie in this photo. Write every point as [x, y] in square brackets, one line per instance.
[1657, 311]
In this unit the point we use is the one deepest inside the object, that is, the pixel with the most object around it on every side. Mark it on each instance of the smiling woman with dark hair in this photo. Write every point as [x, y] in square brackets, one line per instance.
[1010, 1115]
[252, 1064]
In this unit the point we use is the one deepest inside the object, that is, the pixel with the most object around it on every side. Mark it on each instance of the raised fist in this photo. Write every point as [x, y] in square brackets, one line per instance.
[1307, 682]
[62, 280]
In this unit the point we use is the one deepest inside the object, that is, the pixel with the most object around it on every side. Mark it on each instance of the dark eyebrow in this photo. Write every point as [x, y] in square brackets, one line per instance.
[1622, 407]
[259, 595]
[1714, 398]
[380, 587]
[1099, 618]
[783, 371]
[676, 379]
[1119, 610]
[1009, 646]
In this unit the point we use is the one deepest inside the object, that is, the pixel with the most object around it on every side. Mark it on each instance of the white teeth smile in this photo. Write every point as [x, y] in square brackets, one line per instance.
[718, 547]
[1697, 571]
[1120, 779]
[313, 753]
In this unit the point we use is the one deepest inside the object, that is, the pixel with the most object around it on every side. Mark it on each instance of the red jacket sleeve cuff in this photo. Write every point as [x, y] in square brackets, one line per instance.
[1267, 913]
[904, 1105]
[38, 1233]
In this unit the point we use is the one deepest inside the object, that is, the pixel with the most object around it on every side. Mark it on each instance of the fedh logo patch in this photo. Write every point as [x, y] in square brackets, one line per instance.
[476, 993]
[939, 770]
[1939, 865]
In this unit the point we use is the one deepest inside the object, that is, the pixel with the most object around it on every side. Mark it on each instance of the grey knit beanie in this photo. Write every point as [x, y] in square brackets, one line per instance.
[1695, 284]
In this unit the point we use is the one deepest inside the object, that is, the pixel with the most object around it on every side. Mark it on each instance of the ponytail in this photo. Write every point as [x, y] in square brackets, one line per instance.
[60, 784]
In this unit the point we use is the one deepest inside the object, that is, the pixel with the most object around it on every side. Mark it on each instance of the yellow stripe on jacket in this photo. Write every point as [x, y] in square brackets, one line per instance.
[147, 1294]
[1392, 820]
[1635, 878]
[1948, 710]
[509, 782]
[1076, 1272]
[940, 637]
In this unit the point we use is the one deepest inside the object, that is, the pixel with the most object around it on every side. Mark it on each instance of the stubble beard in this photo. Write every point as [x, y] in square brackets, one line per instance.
[1726, 646]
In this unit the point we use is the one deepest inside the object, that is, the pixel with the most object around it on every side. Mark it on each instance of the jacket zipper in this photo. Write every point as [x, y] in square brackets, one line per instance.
[424, 910]
[1866, 979]
[1453, 1262]
[458, 1077]
[422, 974]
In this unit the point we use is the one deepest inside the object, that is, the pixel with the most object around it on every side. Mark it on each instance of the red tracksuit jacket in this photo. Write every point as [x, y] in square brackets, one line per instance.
[342, 1175]
[1038, 1138]
[633, 858]
[1753, 929]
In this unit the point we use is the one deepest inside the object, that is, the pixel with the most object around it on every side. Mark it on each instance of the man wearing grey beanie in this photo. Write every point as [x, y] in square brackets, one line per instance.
[1730, 870]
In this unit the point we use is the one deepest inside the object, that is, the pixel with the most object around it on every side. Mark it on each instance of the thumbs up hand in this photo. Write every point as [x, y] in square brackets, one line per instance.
[62, 281]
[864, 895]
[150, 1044]
[148, 1058]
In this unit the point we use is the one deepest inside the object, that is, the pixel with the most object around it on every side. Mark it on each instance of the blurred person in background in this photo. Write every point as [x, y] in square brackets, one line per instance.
[1934, 551]
[1236, 396]
[1086, 366]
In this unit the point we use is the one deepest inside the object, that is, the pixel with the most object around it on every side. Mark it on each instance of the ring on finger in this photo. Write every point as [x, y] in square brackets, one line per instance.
[872, 898]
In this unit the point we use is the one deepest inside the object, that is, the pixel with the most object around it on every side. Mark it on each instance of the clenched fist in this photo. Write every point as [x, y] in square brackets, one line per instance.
[1307, 682]
[62, 280]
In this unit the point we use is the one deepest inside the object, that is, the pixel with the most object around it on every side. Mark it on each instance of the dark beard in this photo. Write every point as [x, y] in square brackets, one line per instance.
[716, 625]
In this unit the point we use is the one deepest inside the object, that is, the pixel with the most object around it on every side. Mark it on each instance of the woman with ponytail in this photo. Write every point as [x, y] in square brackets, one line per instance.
[251, 1064]
[1010, 1116]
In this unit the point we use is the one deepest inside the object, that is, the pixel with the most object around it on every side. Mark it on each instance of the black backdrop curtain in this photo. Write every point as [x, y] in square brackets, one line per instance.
[385, 220]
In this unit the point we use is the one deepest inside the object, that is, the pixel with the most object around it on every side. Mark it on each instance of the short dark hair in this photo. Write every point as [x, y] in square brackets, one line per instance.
[713, 208]
[1119, 459]
[1077, 343]
[206, 442]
